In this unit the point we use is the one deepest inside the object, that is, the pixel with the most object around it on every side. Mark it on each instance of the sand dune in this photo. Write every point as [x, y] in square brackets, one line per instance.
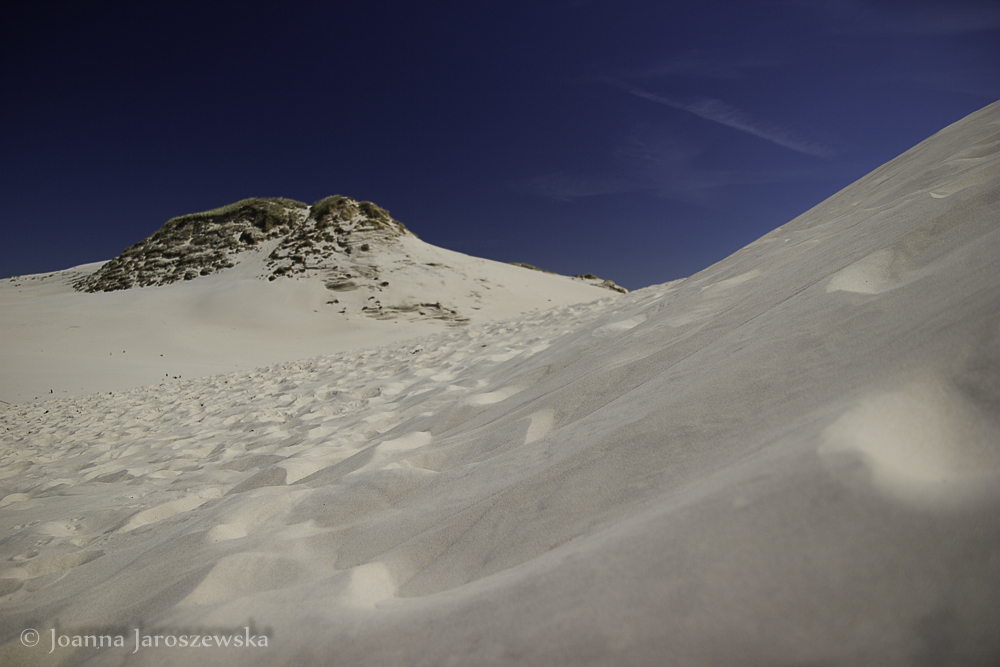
[60, 342]
[791, 457]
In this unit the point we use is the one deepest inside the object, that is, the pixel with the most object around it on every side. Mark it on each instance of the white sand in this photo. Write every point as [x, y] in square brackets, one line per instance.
[792, 457]
[58, 340]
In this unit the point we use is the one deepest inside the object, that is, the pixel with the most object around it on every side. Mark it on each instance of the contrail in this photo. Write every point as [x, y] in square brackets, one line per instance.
[724, 114]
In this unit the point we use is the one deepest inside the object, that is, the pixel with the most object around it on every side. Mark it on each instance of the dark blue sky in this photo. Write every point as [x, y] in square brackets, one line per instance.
[641, 141]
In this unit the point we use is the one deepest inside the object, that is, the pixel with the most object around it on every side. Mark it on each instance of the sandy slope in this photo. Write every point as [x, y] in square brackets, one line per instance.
[792, 457]
[58, 340]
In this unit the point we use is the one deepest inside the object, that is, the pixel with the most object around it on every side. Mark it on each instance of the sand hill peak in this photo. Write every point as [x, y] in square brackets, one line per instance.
[258, 282]
[326, 239]
[297, 236]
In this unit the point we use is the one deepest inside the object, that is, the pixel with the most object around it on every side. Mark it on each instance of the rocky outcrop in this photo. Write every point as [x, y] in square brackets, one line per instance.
[588, 278]
[334, 225]
[591, 279]
[200, 244]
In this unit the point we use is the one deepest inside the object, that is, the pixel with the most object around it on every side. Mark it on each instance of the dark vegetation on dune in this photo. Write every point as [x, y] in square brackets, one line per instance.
[298, 238]
[199, 244]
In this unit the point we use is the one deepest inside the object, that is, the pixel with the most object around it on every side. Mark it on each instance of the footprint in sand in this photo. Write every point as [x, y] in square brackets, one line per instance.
[618, 327]
[226, 531]
[407, 442]
[66, 528]
[370, 584]
[903, 263]
[14, 498]
[246, 573]
[40, 567]
[493, 396]
[382, 454]
[542, 423]
[925, 444]
[871, 275]
[169, 509]
[728, 283]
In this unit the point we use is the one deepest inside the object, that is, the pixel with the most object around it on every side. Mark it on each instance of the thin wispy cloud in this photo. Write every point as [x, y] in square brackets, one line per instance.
[725, 114]
[701, 65]
[678, 181]
[567, 186]
[657, 163]
[672, 167]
